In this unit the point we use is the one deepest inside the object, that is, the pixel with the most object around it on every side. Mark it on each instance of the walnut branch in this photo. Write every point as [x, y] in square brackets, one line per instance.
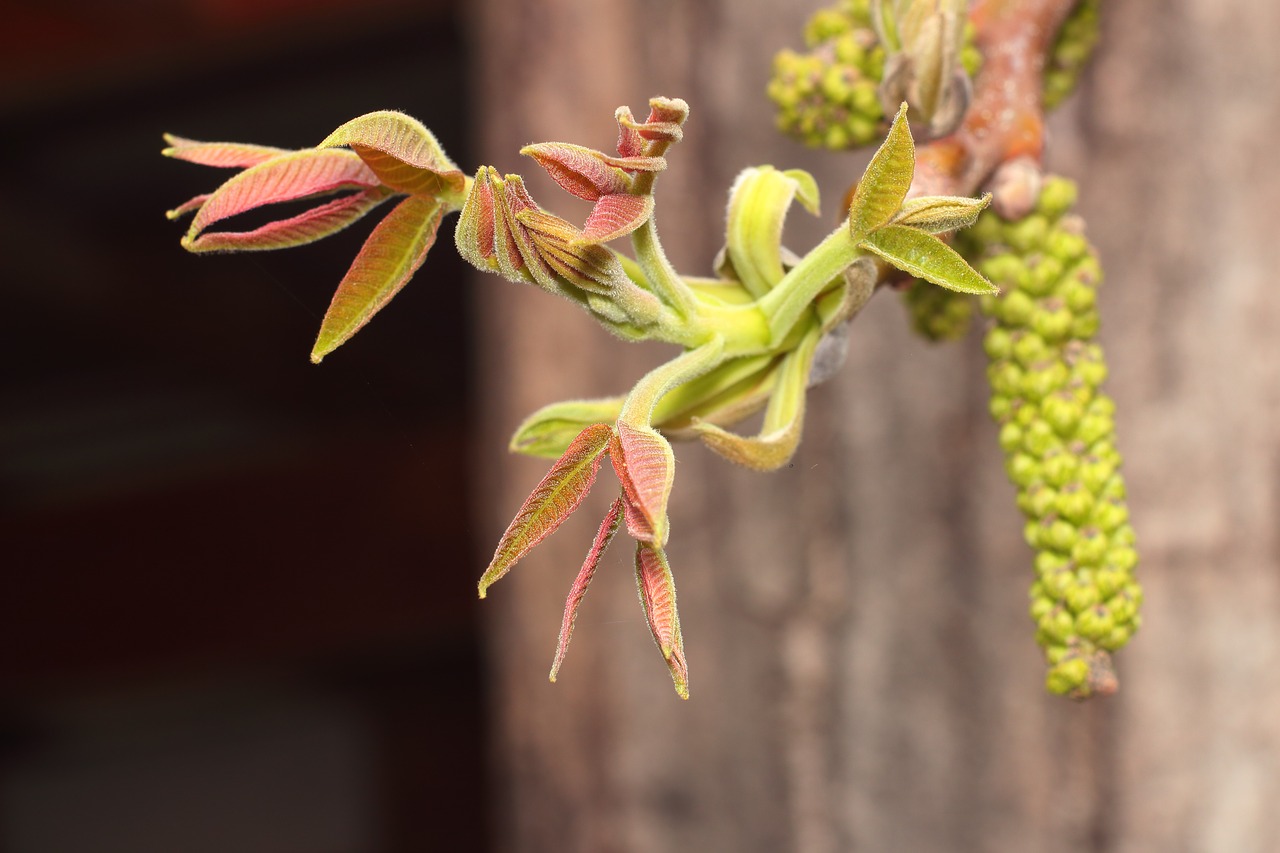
[1005, 121]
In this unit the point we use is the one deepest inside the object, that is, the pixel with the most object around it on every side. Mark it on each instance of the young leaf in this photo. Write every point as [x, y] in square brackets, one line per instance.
[758, 203]
[938, 214]
[284, 178]
[225, 155]
[552, 501]
[927, 257]
[386, 262]
[306, 227]
[658, 597]
[548, 431]
[402, 153]
[616, 216]
[475, 235]
[580, 171]
[645, 464]
[608, 527]
[886, 180]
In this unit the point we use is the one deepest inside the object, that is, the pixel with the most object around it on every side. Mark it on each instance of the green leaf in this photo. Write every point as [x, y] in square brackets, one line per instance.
[938, 214]
[608, 527]
[886, 180]
[783, 419]
[402, 153]
[552, 501]
[657, 589]
[548, 431]
[927, 257]
[392, 254]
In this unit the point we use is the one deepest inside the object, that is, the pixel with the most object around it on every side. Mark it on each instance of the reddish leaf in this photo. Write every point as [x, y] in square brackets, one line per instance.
[645, 464]
[221, 154]
[580, 171]
[658, 596]
[307, 227]
[552, 501]
[630, 142]
[608, 527]
[401, 151]
[638, 164]
[615, 216]
[386, 262]
[284, 178]
[187, 206]
[476, 232]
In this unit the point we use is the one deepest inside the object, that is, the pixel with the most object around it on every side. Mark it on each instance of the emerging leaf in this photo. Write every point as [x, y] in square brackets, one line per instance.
[886, 180]
[938, 214]
[552, 501]
[226, 155]
[758, 204]
[386, 262]
[645, 464]
[581, 171]
[616, 216]
[284, 178]
[927, 257]
[657, 590]
[402, 153]
[608, 527]
[475, 235]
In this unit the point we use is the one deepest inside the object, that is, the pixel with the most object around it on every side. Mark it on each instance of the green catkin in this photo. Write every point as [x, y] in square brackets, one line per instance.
[1070, 52]
[1057, 431]
[829, 96]
[938, 314]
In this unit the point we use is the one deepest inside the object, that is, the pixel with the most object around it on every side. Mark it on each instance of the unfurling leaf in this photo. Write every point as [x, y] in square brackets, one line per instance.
[927, 257]
[608, 527]
[552, 501]
[616, 216]
[223, 155]
[886, 180]
[783, 419]
[938, 214]
[402, 152]
[306, 227]
[395, 249]
[646, 466]
[581, 171]
[658, 596]
[288, 177]
[758, 204]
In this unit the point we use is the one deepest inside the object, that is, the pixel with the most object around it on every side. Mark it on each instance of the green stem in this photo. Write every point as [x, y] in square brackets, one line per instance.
[638, 409]
[792, 296]
[662, 276]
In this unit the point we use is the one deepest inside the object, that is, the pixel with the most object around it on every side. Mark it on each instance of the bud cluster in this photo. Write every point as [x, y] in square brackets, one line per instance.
[1070, 52]
[830, 95]
[937, 314]
[1057, 430]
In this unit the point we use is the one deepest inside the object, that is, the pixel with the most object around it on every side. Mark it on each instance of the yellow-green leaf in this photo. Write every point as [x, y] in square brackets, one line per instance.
[392, 254]
[402, 152]
[886, 180]
[548, 431]
[927, 257]
[938, 214]
[758, 204]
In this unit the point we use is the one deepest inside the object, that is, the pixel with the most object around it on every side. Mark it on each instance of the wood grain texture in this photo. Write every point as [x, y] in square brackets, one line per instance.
[862, 666]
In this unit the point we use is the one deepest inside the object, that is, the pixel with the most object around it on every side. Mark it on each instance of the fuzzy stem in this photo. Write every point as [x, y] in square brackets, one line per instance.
[638, 409]
[794, 294]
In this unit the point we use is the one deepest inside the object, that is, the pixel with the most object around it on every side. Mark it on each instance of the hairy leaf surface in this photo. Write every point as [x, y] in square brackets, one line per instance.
[925, 256]
[657, 590]
[886, 180]
[401, 151]
[608, 527]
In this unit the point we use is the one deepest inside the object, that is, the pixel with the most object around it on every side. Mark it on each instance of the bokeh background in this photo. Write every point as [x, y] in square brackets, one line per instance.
[236, 590]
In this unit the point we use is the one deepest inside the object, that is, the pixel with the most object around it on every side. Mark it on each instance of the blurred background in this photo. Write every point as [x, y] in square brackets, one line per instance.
[237, 608]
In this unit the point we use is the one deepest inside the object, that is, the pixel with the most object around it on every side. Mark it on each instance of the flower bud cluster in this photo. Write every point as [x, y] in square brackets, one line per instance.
[829, 96]
[1070, 52]
[1057, 430]
[937, 314]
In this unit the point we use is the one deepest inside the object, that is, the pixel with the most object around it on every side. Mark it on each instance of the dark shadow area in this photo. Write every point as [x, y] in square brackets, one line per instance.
[237, 605]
